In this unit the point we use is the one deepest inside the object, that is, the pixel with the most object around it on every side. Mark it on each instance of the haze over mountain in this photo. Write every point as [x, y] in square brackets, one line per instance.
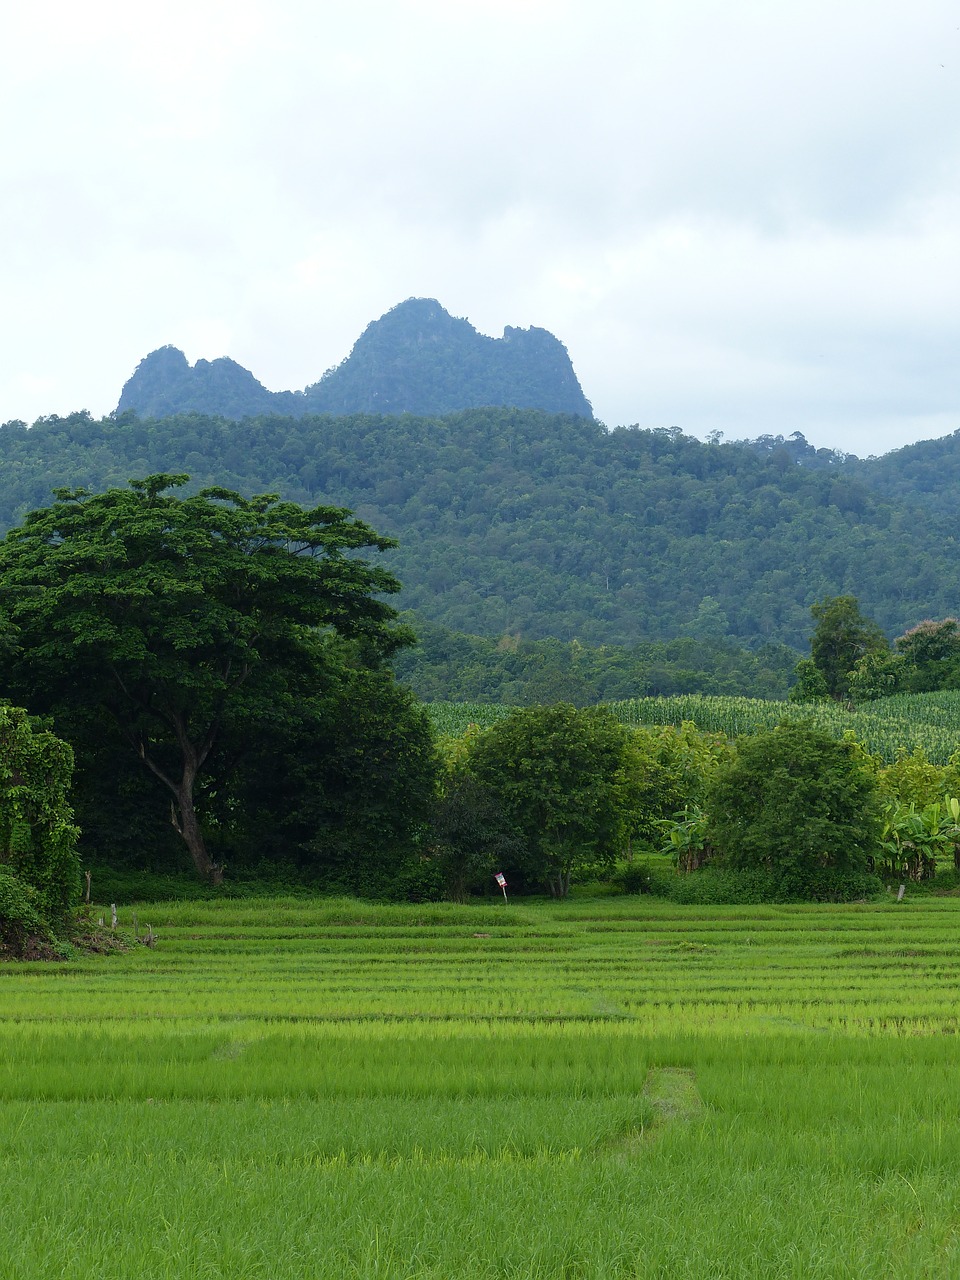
[415, 359]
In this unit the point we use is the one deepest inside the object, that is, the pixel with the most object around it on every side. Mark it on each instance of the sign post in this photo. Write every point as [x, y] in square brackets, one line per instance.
[502, 882]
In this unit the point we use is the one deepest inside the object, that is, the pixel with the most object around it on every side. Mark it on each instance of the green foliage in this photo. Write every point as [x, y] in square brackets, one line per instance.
[341, 779]
[878, 674]
[687, 839]
[37, 835]
[929, 654]
[914, 838]
[471, 836]
[811, 684]
[794, 802]
[519, 522]
[182, 626]
[841, 638]
[556, 772]
[21, 914]
[912, 779]
[666, 769]
[725, 886]
[444, 665]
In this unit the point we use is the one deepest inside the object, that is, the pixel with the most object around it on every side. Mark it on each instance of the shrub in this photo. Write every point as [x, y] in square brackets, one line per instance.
[795, 803]
[20, 916]
[37, 835]
[723, 886]
[556, 773]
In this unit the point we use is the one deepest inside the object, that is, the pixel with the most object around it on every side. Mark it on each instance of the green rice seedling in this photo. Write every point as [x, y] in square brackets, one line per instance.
[595, 1088]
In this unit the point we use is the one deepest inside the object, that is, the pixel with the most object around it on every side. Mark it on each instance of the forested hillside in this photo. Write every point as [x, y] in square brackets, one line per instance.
[925, 475]
[524, 523]
[415, 359]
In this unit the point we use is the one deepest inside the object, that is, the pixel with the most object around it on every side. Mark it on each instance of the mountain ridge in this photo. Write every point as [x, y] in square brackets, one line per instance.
[417, 358]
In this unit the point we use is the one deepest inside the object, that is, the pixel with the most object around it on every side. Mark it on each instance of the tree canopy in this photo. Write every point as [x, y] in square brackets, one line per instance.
[519, 522]
[178, 620]
[557, 773]
[796, 802]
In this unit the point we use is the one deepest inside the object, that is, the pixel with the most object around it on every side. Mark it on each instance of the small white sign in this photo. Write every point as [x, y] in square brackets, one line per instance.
[501, 880]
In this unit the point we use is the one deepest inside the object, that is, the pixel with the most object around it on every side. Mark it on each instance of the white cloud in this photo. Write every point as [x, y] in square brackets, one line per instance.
[735, 215]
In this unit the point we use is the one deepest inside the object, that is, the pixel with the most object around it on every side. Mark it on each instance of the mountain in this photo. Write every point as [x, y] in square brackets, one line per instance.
[519, 522]
[415, 359]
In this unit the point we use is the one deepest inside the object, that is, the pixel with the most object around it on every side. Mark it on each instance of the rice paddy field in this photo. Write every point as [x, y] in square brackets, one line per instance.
[609, 1087]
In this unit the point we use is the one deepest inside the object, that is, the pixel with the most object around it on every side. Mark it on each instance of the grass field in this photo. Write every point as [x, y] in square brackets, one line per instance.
[602, 1088]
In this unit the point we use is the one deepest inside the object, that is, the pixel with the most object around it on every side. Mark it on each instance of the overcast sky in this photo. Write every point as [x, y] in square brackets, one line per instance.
[737, 216]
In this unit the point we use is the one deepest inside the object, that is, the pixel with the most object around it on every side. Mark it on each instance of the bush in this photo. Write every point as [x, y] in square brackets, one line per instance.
[636, 877]
[37, 835]
[21, 920]
[797, 804]
[722, 886]
[556, 773]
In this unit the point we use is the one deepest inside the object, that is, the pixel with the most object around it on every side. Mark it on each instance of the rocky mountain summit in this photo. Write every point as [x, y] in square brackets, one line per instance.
[415, 359]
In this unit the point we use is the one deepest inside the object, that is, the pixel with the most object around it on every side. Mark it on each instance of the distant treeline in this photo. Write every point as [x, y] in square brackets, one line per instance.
[533, 525]
[447, 665]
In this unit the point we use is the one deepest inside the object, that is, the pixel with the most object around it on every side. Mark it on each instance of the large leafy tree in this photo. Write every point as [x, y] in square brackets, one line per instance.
[840, 639]
[342, 783]
[557, 773]
[181, 622]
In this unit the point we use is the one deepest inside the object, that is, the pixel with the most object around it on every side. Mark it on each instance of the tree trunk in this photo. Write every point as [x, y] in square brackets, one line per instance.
[183, 814]
[559, 883]
[188, 826]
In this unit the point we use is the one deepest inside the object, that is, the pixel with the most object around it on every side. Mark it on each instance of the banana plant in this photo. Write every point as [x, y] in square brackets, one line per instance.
[687, 839]
[913, 839]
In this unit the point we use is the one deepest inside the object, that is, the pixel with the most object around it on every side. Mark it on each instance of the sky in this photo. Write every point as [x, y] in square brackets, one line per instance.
[738, 217]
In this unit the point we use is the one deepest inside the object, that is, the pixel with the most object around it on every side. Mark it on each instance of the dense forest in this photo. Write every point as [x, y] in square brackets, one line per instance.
[415, 359]
[448, 665]
[526, 524]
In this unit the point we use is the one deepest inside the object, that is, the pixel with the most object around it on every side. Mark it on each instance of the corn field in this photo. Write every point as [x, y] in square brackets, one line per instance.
[903, 722]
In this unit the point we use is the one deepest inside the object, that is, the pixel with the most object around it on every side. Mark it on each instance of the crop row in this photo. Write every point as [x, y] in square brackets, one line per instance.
[610, 1088]
[885, 727]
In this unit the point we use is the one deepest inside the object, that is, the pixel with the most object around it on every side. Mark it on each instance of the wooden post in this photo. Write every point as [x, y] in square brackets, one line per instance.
[113, 915]
[903, 890]
[87, 876]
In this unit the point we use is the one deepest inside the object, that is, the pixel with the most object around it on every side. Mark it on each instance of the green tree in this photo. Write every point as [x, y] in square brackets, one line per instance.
[810, 686]
[796, 802]
[666, 770]
[341, 778]
[878, 674]
[841, 637]
[556, 772]
[471, 837]
[930, 653]
[39, 867]
[912, 779]
[173, 619]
